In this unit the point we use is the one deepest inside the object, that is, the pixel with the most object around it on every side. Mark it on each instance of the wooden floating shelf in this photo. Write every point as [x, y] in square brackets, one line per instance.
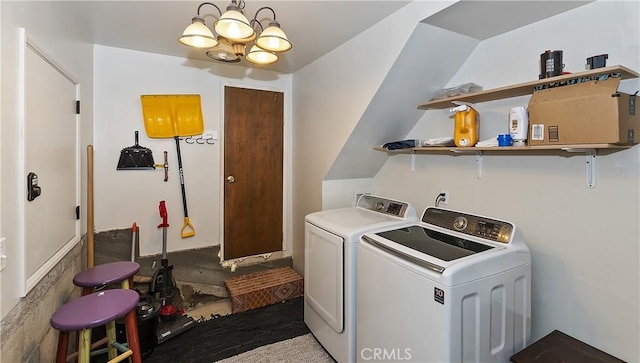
[589, 151]
[500, 149]
[523, 89]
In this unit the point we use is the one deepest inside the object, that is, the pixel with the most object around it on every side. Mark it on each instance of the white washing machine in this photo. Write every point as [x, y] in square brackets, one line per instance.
[454, 287]
[331, 238]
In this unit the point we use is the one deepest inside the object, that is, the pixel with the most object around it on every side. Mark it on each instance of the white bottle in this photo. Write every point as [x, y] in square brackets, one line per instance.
[518, 125]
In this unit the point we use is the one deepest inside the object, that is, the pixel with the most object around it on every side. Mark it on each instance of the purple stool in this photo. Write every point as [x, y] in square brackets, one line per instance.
[109, 273]
[94, 310]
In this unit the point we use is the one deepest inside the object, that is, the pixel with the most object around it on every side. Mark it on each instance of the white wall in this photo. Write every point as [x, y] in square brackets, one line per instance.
[584, 242]
[331, 95]
[127, 196]
[56, 29]
[343, 193]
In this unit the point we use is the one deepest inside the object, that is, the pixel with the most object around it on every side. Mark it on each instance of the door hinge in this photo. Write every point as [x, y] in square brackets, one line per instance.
[77, 107]
[77, 212]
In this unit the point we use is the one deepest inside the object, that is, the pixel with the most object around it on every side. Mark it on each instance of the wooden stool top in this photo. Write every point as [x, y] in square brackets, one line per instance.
[108, 273]
[94, 310]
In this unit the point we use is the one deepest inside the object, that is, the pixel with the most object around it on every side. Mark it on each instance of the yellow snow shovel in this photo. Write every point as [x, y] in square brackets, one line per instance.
[167, 116]
[173, 116]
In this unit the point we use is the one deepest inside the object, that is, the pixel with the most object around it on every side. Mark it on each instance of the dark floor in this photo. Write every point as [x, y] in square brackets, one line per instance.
[230, 335]
[199, 277]
[200, 269]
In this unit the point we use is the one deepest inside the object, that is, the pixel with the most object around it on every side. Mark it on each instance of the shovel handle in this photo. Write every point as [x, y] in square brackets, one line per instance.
[134, 230]
[163, 214]
[187, 229]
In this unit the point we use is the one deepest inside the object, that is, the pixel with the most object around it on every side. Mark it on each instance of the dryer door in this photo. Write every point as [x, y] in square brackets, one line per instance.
[324, 275]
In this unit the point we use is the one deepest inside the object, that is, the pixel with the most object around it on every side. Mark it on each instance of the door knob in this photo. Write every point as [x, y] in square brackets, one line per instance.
[231, 179]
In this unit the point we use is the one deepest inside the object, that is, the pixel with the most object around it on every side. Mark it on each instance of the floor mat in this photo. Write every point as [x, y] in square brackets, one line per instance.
[304, 348]
[231, 335]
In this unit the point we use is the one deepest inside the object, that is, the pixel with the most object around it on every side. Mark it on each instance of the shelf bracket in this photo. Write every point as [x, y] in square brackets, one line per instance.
[479, 164]
[591, 166]
[478, 160]
[413, 162]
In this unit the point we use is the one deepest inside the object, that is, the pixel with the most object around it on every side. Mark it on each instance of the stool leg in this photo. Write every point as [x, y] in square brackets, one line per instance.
[111, 334]
[63, 343]
[126, 283]
[85, 291]
[84, 350]
[131, 326]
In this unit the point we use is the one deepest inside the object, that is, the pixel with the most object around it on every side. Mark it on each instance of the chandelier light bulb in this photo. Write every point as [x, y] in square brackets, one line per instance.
[234, 31]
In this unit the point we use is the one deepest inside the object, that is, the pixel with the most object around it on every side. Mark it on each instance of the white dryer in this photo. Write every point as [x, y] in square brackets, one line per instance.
[455, 287]
[331, 239]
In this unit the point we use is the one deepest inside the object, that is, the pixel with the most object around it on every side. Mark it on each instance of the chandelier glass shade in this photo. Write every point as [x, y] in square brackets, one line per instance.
[274, 39]
[260, 56]
[198, 35]
[234, 33]
[233, 25]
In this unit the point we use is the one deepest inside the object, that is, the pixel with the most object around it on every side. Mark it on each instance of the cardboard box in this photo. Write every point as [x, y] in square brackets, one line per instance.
[592, 112]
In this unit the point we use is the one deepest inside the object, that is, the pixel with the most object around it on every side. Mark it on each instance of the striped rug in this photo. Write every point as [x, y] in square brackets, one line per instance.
[304, 348]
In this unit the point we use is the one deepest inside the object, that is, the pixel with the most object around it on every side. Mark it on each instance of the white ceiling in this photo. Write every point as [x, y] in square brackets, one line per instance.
[315, 27]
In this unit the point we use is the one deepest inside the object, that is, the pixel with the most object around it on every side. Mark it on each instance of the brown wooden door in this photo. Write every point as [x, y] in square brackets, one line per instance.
[253, 172]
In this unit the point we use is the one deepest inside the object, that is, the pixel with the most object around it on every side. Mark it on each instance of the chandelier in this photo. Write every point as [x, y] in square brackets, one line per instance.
[234, 34]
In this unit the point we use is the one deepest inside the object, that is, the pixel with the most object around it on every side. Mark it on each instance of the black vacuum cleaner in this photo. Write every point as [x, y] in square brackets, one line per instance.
[162, 288]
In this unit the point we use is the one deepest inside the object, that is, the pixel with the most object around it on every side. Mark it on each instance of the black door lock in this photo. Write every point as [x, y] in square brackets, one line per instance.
[33, 190]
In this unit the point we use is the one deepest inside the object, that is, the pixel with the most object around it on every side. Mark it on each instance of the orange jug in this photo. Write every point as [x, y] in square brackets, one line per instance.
[467, 127]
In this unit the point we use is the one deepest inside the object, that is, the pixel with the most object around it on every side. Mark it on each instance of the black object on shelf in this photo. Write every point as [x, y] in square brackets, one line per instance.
[597, 61]
[402, 144]
[551, 64]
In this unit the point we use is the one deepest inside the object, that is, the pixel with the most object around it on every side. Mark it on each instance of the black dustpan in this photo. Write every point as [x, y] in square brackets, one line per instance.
[135, 157]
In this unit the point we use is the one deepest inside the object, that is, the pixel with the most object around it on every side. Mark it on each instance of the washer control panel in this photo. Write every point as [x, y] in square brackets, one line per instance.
[486, 228]
[383, 205]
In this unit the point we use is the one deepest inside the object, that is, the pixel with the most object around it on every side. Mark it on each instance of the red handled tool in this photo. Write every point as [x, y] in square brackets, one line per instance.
[162, 286]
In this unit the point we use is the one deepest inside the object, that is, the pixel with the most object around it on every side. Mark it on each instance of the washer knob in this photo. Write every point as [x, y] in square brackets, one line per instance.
[460, 223]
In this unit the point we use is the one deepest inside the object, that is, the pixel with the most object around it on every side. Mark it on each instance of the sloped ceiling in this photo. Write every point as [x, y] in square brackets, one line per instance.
[486, 19]
[428, 62]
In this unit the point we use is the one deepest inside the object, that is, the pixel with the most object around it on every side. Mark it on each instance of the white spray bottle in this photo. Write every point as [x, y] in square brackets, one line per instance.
[519, 125]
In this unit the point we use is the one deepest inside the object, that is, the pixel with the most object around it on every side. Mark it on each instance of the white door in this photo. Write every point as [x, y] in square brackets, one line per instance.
[51, 152]
[324, 275]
